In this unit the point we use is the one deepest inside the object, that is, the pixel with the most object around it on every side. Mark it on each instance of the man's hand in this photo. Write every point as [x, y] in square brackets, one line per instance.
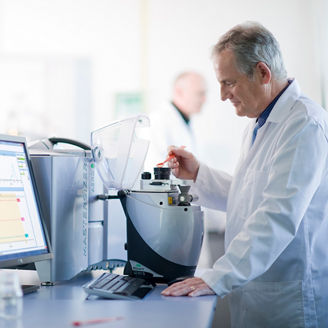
[184, 165]
[188, 287]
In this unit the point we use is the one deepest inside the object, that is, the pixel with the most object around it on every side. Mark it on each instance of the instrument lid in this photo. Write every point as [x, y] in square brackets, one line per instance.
[119, 150]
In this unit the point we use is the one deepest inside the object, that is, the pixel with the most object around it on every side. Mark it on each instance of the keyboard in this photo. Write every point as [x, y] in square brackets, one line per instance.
[115, 286]
[29, 288]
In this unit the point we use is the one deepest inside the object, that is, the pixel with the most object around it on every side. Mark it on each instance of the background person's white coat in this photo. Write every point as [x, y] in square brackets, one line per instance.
[168, 128]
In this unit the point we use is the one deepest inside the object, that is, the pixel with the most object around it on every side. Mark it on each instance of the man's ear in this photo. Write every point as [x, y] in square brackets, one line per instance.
[263, 72]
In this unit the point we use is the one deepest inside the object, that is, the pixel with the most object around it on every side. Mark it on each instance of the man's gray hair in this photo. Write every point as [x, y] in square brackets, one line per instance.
[252, 43]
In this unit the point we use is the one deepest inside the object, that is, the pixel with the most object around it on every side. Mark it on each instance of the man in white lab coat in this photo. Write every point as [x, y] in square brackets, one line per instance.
[275, 267]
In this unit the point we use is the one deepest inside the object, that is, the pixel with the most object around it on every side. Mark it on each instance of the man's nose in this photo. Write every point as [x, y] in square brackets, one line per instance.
[225, 94]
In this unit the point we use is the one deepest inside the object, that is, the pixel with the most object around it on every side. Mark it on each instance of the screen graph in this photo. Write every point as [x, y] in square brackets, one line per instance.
[11, 219]
[21, 230]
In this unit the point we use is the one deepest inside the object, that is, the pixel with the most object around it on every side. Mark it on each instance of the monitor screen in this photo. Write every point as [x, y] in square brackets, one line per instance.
[23, 238]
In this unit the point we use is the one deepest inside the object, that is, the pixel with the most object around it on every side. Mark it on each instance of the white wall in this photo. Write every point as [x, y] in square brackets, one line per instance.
[320, 12]
[140, 46]
[104, 32]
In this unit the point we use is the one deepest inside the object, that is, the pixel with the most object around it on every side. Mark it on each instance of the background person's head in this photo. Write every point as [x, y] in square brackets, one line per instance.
[189, 93]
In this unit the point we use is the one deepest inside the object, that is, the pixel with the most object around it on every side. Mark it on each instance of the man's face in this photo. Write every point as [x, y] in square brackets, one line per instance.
[246, 95]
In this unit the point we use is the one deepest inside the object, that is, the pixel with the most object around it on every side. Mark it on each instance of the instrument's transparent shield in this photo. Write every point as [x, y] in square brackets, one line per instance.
[119, 150]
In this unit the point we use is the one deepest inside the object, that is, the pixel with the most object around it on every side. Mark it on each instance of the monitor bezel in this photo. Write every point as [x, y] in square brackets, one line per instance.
[22, 260]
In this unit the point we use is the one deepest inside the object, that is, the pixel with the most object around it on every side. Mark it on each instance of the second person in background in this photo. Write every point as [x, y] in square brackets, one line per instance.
[172, 124]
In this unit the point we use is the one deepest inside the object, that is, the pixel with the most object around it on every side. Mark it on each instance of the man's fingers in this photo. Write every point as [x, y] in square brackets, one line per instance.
[189, 287]
[201, 290]
[180, 288]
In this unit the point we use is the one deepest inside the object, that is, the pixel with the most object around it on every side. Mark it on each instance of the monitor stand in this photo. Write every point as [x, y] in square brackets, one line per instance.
[29, 288]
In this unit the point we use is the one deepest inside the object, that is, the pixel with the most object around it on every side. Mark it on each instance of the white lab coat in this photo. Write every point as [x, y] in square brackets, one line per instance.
[167, 128]
[275, 268]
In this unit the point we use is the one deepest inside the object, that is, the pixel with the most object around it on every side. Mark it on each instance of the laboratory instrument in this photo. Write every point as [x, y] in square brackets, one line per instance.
[164, 230]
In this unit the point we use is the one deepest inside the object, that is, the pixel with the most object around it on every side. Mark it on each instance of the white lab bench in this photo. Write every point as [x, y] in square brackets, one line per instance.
[60, 305]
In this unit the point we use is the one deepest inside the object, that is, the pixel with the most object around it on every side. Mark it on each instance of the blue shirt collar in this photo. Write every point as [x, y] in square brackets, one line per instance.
[265, 114]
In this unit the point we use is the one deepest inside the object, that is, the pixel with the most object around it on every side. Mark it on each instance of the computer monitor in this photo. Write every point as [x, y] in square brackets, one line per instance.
[23, 237]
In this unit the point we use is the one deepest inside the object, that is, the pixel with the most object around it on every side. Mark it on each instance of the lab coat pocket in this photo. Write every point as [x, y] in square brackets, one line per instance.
[268, 304]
